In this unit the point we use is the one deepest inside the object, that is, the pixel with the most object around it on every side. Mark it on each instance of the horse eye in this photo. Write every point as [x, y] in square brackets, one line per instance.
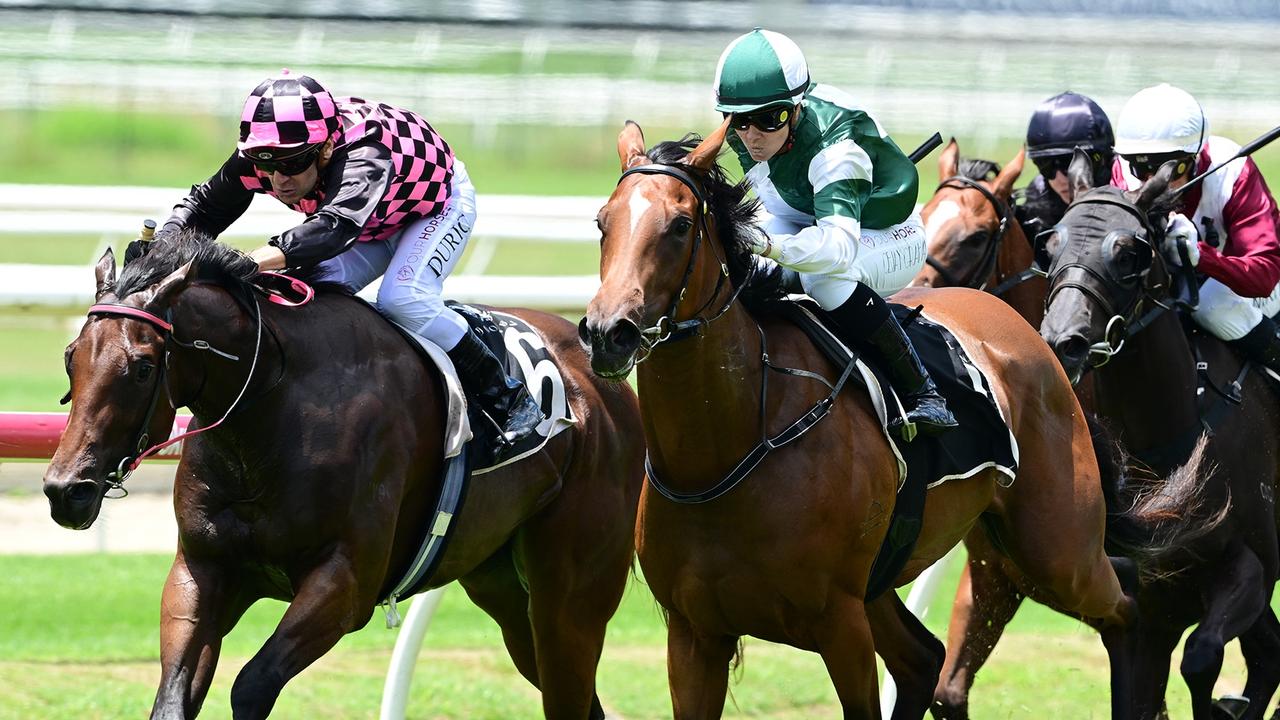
[682, 225]
[144, 371]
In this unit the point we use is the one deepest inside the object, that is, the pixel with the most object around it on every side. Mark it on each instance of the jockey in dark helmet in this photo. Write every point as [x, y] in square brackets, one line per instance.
[382, 192]
[1058, 126]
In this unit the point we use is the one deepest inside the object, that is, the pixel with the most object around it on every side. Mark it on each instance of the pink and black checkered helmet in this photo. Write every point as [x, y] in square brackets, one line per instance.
[286, 111]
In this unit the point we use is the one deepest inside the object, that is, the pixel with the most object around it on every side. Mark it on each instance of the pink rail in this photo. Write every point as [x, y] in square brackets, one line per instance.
[34, 436]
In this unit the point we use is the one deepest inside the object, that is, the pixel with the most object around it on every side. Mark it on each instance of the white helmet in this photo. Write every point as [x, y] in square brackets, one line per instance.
[1161, 119]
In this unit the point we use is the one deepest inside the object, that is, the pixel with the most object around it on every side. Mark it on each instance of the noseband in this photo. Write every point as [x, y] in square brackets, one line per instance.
[978, 280]
[666, 329]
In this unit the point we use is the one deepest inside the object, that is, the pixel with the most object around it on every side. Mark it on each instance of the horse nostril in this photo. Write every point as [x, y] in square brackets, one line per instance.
[623, 337]
[1073, 348]
[584, 334]
[82, 492]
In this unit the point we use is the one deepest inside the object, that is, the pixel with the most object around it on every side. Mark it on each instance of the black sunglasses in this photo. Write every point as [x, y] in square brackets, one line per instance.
[1144, 166]
[766, 120]
[1050, 166]
[292, 165]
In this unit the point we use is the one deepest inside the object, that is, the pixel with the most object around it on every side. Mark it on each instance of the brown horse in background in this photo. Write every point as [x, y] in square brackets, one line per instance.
[975, 241]
[317, 489]
[785, 555]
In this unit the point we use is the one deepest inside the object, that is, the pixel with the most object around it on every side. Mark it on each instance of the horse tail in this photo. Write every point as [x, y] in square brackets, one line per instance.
[1150, 519]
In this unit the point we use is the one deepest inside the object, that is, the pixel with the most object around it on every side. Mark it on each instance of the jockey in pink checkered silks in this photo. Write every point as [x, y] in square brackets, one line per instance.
[383, 193]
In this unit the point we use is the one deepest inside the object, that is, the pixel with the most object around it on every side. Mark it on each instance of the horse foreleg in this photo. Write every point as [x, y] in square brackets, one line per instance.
[1260, 646]
[912, 655]
[325, 607]
[847, 647]
[697, 670]
[986, 601]
[1234, 598]
[198, 606]
[495, 588]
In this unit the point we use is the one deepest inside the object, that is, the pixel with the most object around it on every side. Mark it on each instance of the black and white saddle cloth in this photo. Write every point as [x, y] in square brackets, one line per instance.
[982, 441]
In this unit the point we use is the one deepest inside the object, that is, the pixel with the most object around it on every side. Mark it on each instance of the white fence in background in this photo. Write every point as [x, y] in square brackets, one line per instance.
[34, 210]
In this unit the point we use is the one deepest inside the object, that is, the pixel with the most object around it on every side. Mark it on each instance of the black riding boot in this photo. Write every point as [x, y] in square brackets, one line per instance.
[865, 315]
[503, 398]
[1262, 344]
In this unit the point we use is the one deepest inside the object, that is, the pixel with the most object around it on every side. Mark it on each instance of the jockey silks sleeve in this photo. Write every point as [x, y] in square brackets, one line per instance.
[216, 203]
[354, 182]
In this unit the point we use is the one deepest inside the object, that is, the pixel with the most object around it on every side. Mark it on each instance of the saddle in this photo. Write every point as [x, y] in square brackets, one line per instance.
[982, 441]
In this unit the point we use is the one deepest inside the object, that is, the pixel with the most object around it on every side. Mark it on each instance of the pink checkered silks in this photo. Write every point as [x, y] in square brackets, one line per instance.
[422, 165]
[285, 111]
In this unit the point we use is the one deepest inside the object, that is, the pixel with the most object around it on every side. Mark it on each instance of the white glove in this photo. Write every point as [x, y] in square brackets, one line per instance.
[1179, 233]
[762, 244]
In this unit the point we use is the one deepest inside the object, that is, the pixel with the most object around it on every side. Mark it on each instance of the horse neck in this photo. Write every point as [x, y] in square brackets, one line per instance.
[1015, 256]
[700, 399]
[1148, 389]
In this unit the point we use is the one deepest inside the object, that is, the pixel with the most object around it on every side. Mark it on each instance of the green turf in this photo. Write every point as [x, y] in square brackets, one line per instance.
[89, 649]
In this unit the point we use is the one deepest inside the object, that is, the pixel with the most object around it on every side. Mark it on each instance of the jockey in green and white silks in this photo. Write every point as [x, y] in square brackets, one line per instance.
[841, 197]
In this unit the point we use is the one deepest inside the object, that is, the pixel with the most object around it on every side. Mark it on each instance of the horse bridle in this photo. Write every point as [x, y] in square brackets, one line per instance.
[667, 329]
[1106, 348]
[978, 280]
[115, 479]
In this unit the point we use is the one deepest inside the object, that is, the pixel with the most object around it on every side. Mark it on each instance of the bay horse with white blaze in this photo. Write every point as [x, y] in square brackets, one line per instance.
[315, 486]
[786, 555]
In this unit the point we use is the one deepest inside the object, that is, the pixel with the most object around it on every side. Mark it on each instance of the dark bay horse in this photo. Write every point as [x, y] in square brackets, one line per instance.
[315, 490]
[1109, 293]
[785, 555]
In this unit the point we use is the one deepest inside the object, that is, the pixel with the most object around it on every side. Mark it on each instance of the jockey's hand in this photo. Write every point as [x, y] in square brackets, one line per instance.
[269, 257]
[1181, 233]
[762, 244]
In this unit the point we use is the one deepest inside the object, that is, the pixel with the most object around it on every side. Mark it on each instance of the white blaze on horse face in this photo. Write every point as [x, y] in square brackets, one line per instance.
[941, 215]
[638, 205]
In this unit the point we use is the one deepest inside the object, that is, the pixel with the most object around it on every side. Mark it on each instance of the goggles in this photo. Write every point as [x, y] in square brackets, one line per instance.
[1144, 166]
[770, 119]
[268, 161]
[1050, 166]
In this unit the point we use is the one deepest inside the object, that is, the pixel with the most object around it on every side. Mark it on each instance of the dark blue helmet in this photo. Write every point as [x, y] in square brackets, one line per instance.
[1066, 121]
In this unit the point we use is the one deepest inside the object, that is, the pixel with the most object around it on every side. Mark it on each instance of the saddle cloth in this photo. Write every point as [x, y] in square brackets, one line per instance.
[525, 357]
[982, 441]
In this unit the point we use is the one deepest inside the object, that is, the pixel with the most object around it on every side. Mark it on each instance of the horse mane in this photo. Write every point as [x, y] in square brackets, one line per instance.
[978, 169]
[171, 249]
[731, 206]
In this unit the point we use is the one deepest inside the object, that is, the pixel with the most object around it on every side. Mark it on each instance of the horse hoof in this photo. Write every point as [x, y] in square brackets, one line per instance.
[1230, 707]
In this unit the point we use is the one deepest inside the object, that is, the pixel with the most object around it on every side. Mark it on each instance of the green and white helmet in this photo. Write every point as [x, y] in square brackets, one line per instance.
[760, 69]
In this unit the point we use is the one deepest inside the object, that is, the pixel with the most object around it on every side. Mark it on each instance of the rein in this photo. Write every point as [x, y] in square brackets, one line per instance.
[115, 479]
[991, 253]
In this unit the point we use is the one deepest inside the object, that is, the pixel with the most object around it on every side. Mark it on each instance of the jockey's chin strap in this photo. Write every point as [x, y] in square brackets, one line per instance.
[667, 329]
[115, 479]
[978, 278]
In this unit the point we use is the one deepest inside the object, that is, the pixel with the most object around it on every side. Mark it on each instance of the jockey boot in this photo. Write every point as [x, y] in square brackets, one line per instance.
[768, 281]
[865, 315]
[1262, 345]
[503, 398]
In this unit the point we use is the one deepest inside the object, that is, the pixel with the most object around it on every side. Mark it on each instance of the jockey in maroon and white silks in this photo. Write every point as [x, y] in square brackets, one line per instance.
[382, 193]
[1228, 223]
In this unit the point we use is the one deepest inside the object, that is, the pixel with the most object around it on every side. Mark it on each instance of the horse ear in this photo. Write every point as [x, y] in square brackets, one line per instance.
[1003, 185]
[1155, 186]
[704, 156]
[175, 283]
[631, 145]
[105, 273]
[1080, 173]
[949, 161]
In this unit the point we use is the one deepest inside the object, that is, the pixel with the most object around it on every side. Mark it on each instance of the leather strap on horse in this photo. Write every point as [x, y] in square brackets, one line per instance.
[767, 444]
[989, 257]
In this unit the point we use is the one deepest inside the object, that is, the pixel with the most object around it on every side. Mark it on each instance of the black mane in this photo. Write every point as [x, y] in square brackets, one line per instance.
[733, 210]
[214, 262]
